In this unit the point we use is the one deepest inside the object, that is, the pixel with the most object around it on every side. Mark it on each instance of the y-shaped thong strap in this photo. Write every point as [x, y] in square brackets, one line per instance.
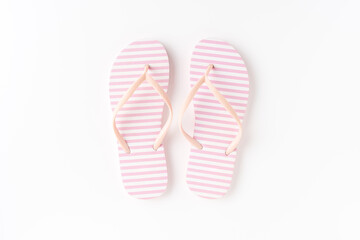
[221, 99]
[145, 76]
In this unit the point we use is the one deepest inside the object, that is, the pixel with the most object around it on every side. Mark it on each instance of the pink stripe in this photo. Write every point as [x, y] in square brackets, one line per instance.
[149, 153]
[236, 84]
[140, 69]
[214, 147]
[131, 82]
[221, 76]
[214, 42]
[142, 49]
[140, 127]
[141, 88]
[211, 159]
[142, 55]
[137, 147]
[210, 107]
[219, 69]
[139, 134]
[142, 154]
[210, 172]
[138, 114]
[146, 185]
[215, 127]
[149, 139]
[221, 108]
[216, 101]
[226, 95]
[238, 98]
[214, 133]
[208, 178]
[207, 185]
[213, 114]
[144, 173]
[141, 108]
[137, 95]
[226, 90]
[218, 62]
[145, 42]
[213, 140]
[216, 49]
[207, 152]
[138, 75]
[136, 101]
[143, 166]
[216, 121]
[206, 191]
[140, 62]
[217, 55]
[211, 166]
[144, 179]
[138, 121]
[142, 160]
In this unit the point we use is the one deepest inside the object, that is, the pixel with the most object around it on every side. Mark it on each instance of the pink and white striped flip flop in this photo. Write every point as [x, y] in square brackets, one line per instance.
[138, 84]
[220, 89]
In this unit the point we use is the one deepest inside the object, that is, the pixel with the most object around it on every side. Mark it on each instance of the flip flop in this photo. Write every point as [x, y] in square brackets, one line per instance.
[138, 84]
[219, 89]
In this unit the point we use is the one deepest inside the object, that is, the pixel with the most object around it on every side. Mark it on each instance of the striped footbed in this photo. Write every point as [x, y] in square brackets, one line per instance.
[144, 170]
[210, 171]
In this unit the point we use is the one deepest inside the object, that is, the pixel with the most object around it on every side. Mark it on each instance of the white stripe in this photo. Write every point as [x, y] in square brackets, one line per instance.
[208, 175]
[212, 163]
[131, 118]
[140, 59]
[237, 61]
[130, 164]
[140, 170]
[211, 169]
[158, 175]
[145, 104]
[231, 101]
[205, 108]
[234, 54]
[135, 98]
[197, 73]
[119, 80]
[129, 131]
[229, 158]
[145, 138]
[217, 65]
[208, 182]
[138, 65]
[134, 111]
[152, 71]
[138, 124]
[131, 53]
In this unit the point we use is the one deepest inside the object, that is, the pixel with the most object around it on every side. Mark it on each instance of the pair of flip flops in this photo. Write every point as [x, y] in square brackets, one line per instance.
[219, 91]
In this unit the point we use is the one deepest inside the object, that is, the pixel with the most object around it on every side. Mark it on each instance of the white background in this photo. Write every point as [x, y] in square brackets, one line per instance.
[298, 167]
